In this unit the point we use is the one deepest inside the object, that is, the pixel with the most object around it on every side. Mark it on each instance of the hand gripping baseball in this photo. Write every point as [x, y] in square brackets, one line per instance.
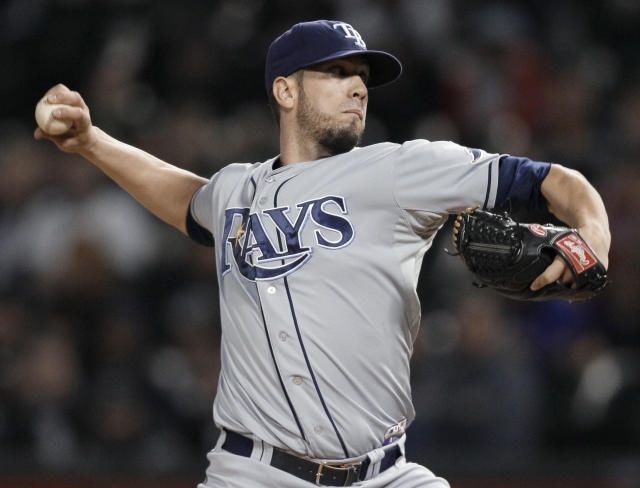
[508, 256]
[72, 107]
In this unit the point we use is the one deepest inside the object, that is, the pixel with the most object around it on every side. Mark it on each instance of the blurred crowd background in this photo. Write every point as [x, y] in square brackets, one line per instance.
[109, 327]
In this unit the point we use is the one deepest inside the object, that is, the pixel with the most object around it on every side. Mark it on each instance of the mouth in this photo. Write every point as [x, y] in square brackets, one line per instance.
[355, 111]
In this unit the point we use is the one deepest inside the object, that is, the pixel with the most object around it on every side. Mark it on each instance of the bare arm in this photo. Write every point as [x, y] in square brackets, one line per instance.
[574, 201]
[164, 189]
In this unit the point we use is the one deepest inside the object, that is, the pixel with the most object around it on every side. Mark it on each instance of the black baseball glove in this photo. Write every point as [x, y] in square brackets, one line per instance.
[507, 256]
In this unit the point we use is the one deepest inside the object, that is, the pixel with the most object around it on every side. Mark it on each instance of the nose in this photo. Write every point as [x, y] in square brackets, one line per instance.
[358, 88]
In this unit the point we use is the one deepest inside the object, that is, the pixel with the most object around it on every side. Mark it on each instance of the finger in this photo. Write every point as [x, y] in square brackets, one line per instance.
[54, 93]
[66, 97]
[59, 88]
[553, 272]
[68, 112]
[78, 116]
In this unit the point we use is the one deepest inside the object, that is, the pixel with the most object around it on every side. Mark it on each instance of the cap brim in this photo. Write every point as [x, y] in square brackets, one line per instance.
[385, 68]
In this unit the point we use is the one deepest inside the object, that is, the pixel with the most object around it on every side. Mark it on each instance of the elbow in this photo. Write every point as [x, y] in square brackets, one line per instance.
[569, 194]
[563, 187]
[566, 177]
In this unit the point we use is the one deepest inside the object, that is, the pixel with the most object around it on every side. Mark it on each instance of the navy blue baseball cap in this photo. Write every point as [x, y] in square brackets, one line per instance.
[309, 43]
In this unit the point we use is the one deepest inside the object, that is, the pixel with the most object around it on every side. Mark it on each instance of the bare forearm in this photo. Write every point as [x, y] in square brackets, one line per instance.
[164, 189]
[573, 200]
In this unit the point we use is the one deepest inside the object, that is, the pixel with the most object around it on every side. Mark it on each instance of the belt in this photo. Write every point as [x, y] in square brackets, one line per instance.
[321, 474]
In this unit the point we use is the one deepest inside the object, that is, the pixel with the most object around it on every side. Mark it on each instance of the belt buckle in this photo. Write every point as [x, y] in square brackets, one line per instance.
[351, 468]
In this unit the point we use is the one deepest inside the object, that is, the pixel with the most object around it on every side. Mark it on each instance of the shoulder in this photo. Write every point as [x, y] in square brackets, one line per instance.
[238, 170]
[416, 146]
[238, 173]
[440, 149]
[378, 147]
[362, 154]
[418, 151]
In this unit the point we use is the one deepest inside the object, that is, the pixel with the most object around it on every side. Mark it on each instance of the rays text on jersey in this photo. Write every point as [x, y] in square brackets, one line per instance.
[269, 244]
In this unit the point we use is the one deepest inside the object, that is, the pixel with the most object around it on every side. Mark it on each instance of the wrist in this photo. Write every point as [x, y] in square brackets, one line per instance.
[598, 238]
[94, 138]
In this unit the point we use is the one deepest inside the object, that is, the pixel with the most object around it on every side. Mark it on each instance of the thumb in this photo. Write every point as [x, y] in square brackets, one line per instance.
[39, 134]
[553, 272]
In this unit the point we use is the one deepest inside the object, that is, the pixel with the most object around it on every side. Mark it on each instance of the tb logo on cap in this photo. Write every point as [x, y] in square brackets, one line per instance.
[351, 33]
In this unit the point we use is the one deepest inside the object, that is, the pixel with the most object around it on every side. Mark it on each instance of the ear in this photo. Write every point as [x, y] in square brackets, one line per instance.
[285, 91]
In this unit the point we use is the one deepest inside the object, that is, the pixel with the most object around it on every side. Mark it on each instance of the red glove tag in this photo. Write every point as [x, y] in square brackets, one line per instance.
[578, 252]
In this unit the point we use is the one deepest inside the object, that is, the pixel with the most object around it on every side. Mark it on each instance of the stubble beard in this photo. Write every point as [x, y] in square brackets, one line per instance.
[335, 139]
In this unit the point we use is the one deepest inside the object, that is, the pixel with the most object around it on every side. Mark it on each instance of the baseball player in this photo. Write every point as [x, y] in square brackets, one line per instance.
[318, 251]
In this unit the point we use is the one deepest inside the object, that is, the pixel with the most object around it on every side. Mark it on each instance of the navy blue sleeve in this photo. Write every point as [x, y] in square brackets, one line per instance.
[520, 181]
[197, 232]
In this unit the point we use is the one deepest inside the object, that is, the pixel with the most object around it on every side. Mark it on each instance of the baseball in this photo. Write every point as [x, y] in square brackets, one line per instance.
[46, 121]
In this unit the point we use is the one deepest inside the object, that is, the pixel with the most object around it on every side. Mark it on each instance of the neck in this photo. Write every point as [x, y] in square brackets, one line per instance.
[297, 148]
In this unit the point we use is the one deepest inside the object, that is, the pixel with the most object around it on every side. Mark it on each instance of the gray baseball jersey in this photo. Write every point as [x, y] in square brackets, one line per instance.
[317, 265]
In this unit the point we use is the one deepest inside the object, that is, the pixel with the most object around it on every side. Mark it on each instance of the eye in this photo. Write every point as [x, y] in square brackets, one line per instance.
[338, 71]
[365, 77]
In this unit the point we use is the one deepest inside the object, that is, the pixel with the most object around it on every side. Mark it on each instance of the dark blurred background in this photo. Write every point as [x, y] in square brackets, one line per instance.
[109, 327]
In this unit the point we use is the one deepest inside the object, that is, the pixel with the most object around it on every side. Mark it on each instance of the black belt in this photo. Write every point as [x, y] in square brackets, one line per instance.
[322, 474]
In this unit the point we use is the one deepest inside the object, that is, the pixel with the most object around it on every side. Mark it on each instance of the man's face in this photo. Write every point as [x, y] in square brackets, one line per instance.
[332, 107]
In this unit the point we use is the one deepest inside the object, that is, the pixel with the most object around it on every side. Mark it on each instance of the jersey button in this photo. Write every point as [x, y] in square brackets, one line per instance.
[297, 380]
[262, 201]
[283, 336]
[271, 290]
[269, 179]
[318, 429]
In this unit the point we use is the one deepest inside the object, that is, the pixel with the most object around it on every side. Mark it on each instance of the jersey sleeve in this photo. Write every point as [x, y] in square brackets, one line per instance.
[520, 184]
[443, 177]
[200, 215]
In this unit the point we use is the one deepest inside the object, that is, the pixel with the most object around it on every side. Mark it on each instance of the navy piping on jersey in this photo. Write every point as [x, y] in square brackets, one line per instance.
[284, 390]
[486, 198]
[273, 357]
[304, 351]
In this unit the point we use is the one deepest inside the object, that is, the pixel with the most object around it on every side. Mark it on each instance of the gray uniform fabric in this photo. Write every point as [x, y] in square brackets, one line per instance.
[317, 265]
